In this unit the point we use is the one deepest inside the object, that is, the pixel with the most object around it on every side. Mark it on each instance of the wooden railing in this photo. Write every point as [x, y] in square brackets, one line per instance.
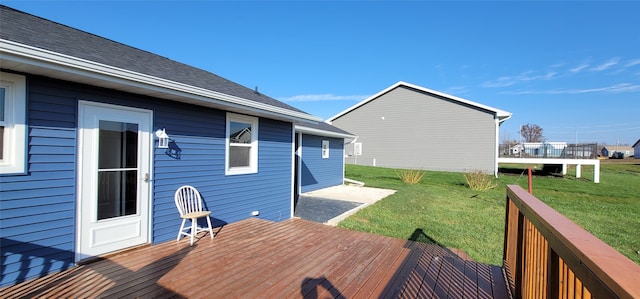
[546, 255]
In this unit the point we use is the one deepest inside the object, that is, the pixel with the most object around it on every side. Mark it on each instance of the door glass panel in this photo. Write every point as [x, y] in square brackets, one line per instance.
[2, 89]
[117, 169]
[118, 147]
[2, 92]
[1, 143]
[117, 193]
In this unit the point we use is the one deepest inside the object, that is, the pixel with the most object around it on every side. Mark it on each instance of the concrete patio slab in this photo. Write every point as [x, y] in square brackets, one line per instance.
[334, 204]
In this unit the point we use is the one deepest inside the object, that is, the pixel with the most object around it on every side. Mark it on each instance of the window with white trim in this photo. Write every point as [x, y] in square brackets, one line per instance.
[325, 149]
[241, 144]
[12, 123]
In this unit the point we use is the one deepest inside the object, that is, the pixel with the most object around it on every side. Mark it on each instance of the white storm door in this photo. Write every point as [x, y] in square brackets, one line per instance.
[114, 196]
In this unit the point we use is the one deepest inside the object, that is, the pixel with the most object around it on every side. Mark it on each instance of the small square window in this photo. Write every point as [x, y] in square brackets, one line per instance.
[241, 144]
[325, 149]
[13, 128]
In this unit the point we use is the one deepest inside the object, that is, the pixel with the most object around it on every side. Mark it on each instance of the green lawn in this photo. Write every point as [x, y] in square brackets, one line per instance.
[441, 209]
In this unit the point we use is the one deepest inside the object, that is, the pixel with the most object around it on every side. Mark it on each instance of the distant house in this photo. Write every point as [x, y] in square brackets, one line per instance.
[625, 150]
[636, 149]
[83, 172]
[409, 126]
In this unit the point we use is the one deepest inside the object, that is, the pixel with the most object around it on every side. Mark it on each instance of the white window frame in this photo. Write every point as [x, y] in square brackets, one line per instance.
[253, 156]
[15, 125]
[325, 149]
[357, 149]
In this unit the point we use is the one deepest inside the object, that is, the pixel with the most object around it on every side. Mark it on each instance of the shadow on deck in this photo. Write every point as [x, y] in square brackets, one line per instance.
[290, 259]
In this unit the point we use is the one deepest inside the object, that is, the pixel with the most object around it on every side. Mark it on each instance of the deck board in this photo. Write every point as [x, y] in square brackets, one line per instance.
[262, 259]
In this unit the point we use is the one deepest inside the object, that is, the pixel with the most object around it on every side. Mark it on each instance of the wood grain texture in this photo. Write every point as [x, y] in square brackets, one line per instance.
[261, 259]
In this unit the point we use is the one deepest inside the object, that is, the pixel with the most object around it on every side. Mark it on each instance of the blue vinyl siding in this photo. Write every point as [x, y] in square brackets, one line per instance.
[38, 210]
[37, 223]
[316, 172]
[201, 144]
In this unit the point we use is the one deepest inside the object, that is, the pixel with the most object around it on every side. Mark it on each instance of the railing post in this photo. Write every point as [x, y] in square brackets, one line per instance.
[513, 254]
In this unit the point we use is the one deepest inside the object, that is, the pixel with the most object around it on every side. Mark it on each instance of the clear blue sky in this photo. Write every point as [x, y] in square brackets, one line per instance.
[571, 67]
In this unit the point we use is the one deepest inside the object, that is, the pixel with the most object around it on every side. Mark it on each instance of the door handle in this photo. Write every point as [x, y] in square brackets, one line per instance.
[145, 178]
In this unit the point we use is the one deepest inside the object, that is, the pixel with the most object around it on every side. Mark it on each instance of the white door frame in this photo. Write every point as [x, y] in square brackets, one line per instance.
[86, 212]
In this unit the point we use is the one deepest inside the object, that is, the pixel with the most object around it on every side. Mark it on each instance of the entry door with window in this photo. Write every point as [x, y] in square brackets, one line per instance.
[114, 200]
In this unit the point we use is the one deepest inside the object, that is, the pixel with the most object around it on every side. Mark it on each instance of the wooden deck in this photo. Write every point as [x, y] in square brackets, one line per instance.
[290, 259]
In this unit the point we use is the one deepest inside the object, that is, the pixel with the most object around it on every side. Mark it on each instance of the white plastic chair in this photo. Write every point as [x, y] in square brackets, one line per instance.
[189, 205]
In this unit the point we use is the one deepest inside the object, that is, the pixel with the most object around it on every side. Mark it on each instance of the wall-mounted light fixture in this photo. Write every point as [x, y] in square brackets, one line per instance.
[163, 139]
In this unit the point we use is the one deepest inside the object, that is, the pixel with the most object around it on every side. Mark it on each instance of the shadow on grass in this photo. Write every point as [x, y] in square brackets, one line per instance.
[535, 172]
[419, 236]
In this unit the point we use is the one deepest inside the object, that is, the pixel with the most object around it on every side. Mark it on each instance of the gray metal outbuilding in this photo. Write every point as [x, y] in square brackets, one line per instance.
[412, 127]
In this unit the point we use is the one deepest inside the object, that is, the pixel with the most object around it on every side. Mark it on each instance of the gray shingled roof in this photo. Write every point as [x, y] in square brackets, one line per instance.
[322, 126]
[37, 32]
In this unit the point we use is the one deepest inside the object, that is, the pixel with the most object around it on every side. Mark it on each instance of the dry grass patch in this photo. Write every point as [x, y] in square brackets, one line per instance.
[410, 176]
[479, 180]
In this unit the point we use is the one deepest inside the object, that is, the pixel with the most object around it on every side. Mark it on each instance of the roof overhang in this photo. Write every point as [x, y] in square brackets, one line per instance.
[325, 133]
[31, 60]
[500, 114]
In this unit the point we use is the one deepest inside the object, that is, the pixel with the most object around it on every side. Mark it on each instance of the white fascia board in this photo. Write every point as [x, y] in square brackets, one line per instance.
[318, 132]
[21, 53]
[367, 100]
[501, 114]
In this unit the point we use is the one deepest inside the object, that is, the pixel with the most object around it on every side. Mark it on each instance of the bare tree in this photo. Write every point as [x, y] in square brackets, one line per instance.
[531, 133]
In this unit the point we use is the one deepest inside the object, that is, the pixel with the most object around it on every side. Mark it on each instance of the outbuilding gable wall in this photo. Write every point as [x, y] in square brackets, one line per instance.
[407, 128]
[38, 209]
